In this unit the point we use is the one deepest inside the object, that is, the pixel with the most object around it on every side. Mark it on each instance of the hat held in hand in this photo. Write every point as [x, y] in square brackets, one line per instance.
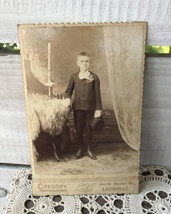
[97, 123]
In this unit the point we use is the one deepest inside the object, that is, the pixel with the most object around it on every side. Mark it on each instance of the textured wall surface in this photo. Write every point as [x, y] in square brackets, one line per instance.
[156, 123]
[156, 12]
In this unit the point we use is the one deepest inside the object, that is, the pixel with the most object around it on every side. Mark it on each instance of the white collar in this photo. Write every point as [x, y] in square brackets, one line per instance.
[84, 75]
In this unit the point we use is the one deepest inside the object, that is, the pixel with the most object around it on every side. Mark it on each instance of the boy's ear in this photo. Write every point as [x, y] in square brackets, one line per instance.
[77, 62]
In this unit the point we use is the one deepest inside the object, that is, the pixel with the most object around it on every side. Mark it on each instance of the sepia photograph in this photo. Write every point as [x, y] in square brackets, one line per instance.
[83, 87]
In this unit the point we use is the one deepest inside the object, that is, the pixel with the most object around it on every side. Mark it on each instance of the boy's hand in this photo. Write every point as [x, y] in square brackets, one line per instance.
[50, 84]
[67, 102]
[98, 113]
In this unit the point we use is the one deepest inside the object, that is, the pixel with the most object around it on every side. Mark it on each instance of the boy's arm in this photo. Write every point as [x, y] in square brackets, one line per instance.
[68, 92]
[98, 95]
[70, 88]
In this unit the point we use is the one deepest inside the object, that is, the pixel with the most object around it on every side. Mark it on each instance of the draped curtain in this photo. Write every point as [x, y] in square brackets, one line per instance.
[124, 48]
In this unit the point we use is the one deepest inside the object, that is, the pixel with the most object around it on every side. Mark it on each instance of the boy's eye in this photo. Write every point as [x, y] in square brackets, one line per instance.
[84, 60]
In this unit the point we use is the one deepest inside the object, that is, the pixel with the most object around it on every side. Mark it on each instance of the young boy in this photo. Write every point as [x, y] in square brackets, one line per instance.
[86, 103]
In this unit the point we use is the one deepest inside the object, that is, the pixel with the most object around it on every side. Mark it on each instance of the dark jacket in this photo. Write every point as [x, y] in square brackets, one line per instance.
[86, 94]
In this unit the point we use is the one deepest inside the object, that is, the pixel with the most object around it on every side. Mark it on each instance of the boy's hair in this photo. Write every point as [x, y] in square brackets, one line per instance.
[83, 54]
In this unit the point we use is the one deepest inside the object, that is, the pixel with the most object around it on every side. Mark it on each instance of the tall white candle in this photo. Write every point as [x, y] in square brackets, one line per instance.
[49, 51]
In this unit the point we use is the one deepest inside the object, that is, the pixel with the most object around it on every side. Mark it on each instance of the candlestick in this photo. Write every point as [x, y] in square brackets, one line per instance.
[49, 52]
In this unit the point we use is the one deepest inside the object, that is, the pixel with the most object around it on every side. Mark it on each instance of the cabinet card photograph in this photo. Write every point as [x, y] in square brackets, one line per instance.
[83, 88]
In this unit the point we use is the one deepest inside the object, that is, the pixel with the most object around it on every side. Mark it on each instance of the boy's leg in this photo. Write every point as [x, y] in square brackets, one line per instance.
[79, 119]
[88, 131]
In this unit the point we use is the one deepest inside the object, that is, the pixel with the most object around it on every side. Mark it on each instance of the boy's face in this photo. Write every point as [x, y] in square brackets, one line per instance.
[83, 63]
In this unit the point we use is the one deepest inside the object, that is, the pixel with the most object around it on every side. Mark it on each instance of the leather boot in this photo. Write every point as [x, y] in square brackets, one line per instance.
[90, 153]
[79, 152]
[89, 150]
